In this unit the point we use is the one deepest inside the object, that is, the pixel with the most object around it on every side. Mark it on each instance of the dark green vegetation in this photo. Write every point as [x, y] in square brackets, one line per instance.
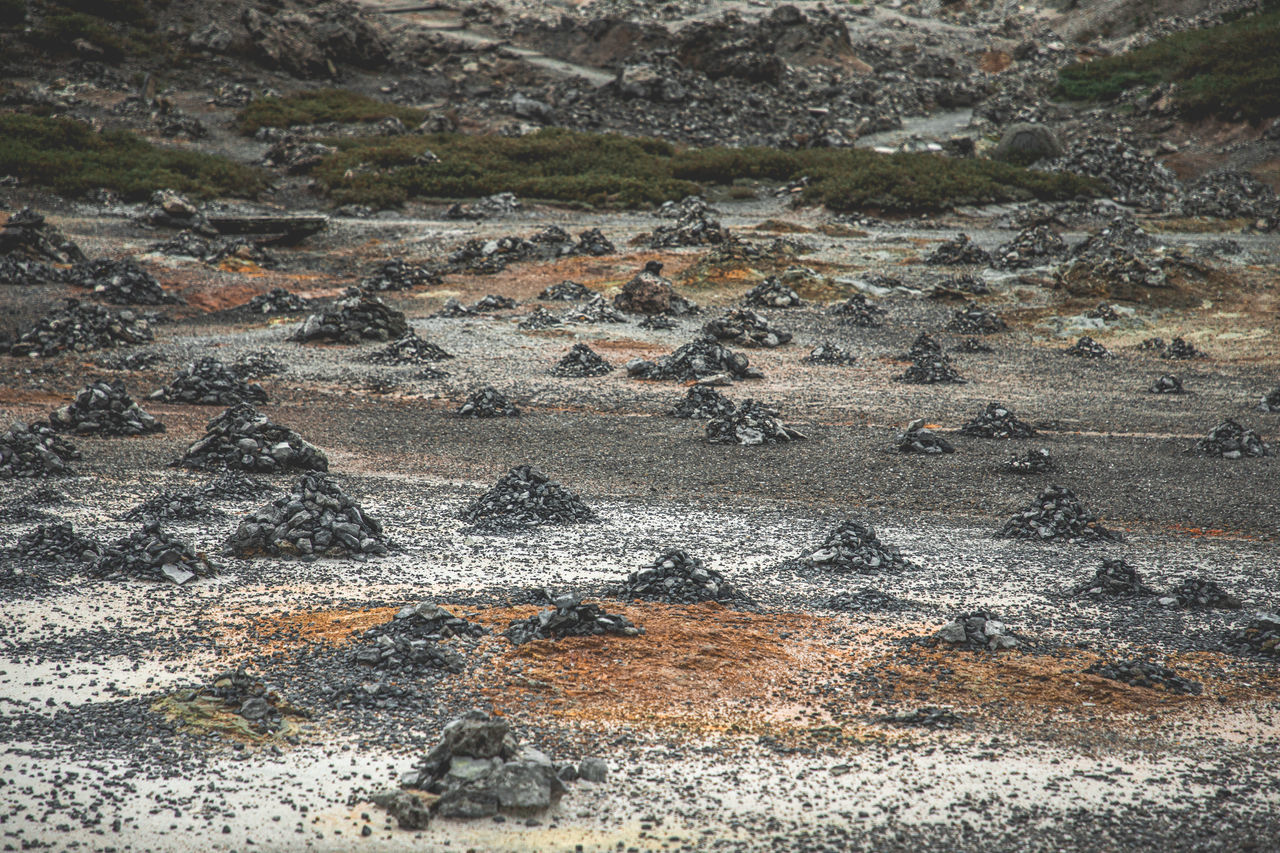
[320, 105]
[617, 171]
[1224, 71]
[68, 157]
[12, 12]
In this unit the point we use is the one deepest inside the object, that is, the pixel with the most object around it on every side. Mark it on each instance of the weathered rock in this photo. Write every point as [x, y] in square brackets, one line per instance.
[81, 327]
[749, 424]
[1114, 579]
[241, 438]
[209, 382]
[570, 618]
[352, 319]
[1087, 347]
[995, 421]
[830, 354]
[771, 293]
[649, 293]
[488, 402]
[34, 451]
[958, 252]
[151, 554]
[853, 547]
[581, 361]
[104, 408]
[1056, 513]
[1231, 441]
[978, 630]
[745, 327]
[917, 438]
[525, 497]
[1025, 143]
[1199, 594]
[676, 578]
[315, 519]
[925, 345]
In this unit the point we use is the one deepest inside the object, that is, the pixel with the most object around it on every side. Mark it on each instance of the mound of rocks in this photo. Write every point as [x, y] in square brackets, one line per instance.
[526, 497]
[34, 450]
[488, 402]
[256, 364]
[243, 439]
[996, 421]
[1199, 594]
[1114, 579]
[567, 291]
[1033, 247]
[409, 349]
[22, 271]
[492, 303]
[1231, 194]
[209, 382]
[412, 640]
[104, 408]
[1087, 347]
[676, 578]
[700, 358]
[977, 630]
[277, 300]
[958, 252]
[56, 543]
[174, 506]
[1180, 350]
[656, 322]
[745, 327]
[315, 519]
[693, 227]
[972, 320]
[867, 600]
[649, 293]
[1103, 311]
[923, 346]
[857, 310]
[398, 274]
[917, 438]
[1056, 513]
[539, 318]
[1145, 673]
[569, 617]
[231, 485]
[1035, 461]
[595, 310]
[581, 361]
[81, 327]
[1270, 401]
[1260, 636]
[1231, 441]
[961, 286]
[771, 293]
[152, 554]
[1167, 384]
[353, 319]
[929, 370]
[830, 354]
[1132, 177]
[749, 424]
[244, 694]
[853, 548]
[119, 282]
[27, 234]
[702, 402]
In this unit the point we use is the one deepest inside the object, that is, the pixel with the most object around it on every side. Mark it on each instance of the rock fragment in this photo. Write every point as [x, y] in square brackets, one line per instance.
[570, 617]
[649, 293]
[1032, 247]
[1168, 384]
[978, 630]
[1260, 636]
[567, 291]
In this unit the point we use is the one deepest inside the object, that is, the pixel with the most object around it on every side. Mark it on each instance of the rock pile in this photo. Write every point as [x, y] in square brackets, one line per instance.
[692, 227]
[1231, 441]
[26, 234]
[649, 293]
[972, 320]
[867, 600]
[315, 519]
[104, 408]
[540, 318]
[493, 302]
[853, 548]
[1056, 513]
[958, 252]
[230, 485]
[243, 439]
[1087, 347]
[581, 361]
[22, 271]
[1199, 594]
[745, 327]
[595, 310]
[916, 438]
[353, 319]
[1181, 350]
[749, 424]
[1145, 673]
[1260, 636]
[1103, 311]
[830, 354]
[247, 696]
[1230, 194]
[1133, 177]
[931, 369]
[676, 578]
[1270, 401]
[771, 293]
[1167, 384]
[1035, 461]
[1114, 579]
[80, 327]
[56, 543]
[995, 421]
[397, 274]
[256, 364]
[567, 291]
[700, 358]
[1033, 247]
[412, 640]
[1119, 260]
[209, 382]
[960, 286]
[977, 631]
[34, 450]
[569, 617]
[174, 506]
[119, 282]
[702, 402]
[857, 310]
[488, 402]
[152, 554]
[409, 349]
[277, 300]
[498, 204]
[525, 497]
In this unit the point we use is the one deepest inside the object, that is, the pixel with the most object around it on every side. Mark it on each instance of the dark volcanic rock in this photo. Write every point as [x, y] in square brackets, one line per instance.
[243, 439]
[1033, 247]
[976, 631]
[174, 506]
[1199, 594]
[649, 293]
[409, 349]
[209, 382]
[958, 252]
[352, 319]
[771, 293]
[315, 519]
[119, 282]
[692, 227]
[567, 291]
[1145, 673]
[749, 424]
[397, 274]
[916, 438]
[56, 543]
[80, 327]
[676, 578]
[1261, 636]
[930, 370]
[488, 402]
[1270, 401]
[581, 361]
[702, 402]
[695, 360]
[1133, 177]
[525, 497]
[594, 310]
[857, 310]
[1231, 441]
[830, 354]
[1114, 579]
[1087, 347]
[104, 408]
[995, 421]
[745, 327]
[924, 346]
[1167, 384]
[412, 640]
[151, 554]
[277, 300]
[1180, 350]
[1035, 461]
[1230, 194]
[27, 234]
[1056, 513]
[34, 451]
[540, 318]
[852, 547]
[570, 618]
[973, 320]
[22, 271]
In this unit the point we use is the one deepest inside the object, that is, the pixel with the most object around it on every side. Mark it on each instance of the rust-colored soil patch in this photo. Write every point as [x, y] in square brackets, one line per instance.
[994, 61]
[331, 627]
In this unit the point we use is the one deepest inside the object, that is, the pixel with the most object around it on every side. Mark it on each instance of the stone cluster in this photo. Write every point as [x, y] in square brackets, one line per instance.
[751, 423]
[1037, 460]
[246, 695]
[151, 554]
[931, 369]
[958, 252]
[1133, 177]
[244, 439]
[649, 293]
[567, 291]
[209, 382]
[1087, 347]
[692, 227]
[853, 548]
[277, 300]
[1145, 673]
[1231, 441]
[488, 402]
[1270, 401]
[917, 438]
[524, 497]
[1168, 384]
[594, 310]
[1036, 246]
[702, 402]
[1056, 513]
[539, 318]
[412, 640]
[829, 354]
[34, 450]
[972, 320]
[1113, 579]
[81, 327]
[315, 519]
[58, 542]
[676, 578]
[977, 630]
[857, 310]
[27, 234]
[409, 349]
[397, 274]
[104, 408]
[744, 327]
[570, 617]
[1181, 350]
[1260, 636]
[996, 421]
[353, 319]
[581, 361]
[771, 293]
[119, 282]
[174, 506]
[1198, 594]
[699, 359]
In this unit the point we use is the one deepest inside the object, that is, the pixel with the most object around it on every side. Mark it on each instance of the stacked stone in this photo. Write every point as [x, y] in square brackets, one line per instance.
[593, 243]
[649, 293]
[20, 271]
[1033, 247]
[524, 497]
[692, 228]
[243, 439]
[142, 360]
[246, 695]
[1231, 194]
[353, 319]
[409, 349]
[1167, 384]
[930, 370]
[830, 354]
[230, 485]
[181, 506]
[34, 451]
[745, 327]
[751, 423]
[412, 640]
[81, 327]
[1114, 579]
[702, 402]
[676, 578]
[977, 631]
[596, 310]
[1231, 441]
[973, 320]
[853, 548]
[489, 257]
[56, 543]
[925, 345]
[493, 302]
[960, 286]
[694, 361]
[1270, 401]
[1133, 177]
[581, 361]
[1145, 673]
[396, 274]
[1260, 636]
[1056, 513]
[1035, 461]
[253, 365]
[916, 438]
[488, 402]
[28, 235]
[277, 300]
[119, 282]
[209, 382]
[1087, 347]
[772, 293]
[1103, 311]
[857, 310]
[1199, 594]
[958, 252]
[152, 554]
[1180, 350]
[567, 291]
[315, 519]
[656, 322]
[452, 309]
[540, 318]
[995, 421]
[570, 618]
[104, 408]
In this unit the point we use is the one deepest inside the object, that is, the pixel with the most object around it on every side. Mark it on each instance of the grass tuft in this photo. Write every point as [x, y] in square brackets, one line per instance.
[318, 106]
